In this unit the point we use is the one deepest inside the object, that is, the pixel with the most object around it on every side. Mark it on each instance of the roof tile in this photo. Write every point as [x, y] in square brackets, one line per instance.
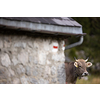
[62, 21]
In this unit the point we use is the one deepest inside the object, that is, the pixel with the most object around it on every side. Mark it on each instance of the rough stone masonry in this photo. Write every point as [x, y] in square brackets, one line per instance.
[26, 59]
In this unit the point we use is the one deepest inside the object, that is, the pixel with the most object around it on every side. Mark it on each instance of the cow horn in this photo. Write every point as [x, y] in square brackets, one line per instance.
[75, 59]
[86, 59]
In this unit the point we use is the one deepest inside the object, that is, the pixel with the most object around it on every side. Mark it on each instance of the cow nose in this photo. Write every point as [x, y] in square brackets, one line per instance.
[86, 73]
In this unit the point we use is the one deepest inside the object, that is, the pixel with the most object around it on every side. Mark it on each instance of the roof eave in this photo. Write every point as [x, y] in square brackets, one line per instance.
[43, 28]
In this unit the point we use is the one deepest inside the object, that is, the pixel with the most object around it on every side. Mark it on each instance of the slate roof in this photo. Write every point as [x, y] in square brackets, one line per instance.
[66, 23]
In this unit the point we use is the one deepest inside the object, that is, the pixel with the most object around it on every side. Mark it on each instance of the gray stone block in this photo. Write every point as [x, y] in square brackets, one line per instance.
[16, 81]
[33, 81]
[43, 81]
[20, 69]
[3, 81]
[24, 80]
[53, 70]
[23, 57]
[5, 60]
[20, 44]
[61, 81]
[28, 71]
[54, 80]
[12, 73]
[14, 60]
[35, 73]
[42, 58]
[30, 44]
[4, 74]
[61, 74]
[40, 72]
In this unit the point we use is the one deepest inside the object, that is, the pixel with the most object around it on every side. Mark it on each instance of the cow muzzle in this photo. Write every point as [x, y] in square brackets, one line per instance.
[85, 74]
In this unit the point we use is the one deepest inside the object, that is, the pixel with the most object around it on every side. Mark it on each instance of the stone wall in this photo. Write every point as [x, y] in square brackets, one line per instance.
[26, 59]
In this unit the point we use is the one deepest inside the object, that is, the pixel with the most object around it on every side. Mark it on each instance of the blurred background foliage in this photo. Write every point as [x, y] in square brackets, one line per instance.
[90, 47]
[91, 44]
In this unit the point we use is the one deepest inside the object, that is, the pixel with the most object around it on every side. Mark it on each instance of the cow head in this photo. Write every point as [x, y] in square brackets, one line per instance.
[81, 66]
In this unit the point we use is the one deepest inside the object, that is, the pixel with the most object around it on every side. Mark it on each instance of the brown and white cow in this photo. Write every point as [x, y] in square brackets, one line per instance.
[76, 69]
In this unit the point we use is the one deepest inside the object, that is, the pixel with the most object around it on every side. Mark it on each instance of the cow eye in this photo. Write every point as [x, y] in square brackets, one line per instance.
[79, 66]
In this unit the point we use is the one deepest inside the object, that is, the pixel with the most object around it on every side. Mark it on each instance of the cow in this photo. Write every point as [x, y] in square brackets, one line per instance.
[76, 70]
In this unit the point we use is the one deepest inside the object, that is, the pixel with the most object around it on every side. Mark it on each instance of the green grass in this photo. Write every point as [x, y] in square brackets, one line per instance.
[92, 79]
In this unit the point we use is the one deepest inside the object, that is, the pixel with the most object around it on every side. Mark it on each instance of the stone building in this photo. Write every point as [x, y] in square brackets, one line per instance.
[32, 49]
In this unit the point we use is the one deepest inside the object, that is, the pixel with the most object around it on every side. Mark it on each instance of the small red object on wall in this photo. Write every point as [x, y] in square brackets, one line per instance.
[55, 47]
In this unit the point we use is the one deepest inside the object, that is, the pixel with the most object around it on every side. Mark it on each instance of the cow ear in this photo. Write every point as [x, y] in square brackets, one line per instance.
[89, 64]
[75, 64]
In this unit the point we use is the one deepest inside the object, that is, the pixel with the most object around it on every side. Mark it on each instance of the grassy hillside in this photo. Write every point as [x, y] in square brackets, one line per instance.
[92, 79]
